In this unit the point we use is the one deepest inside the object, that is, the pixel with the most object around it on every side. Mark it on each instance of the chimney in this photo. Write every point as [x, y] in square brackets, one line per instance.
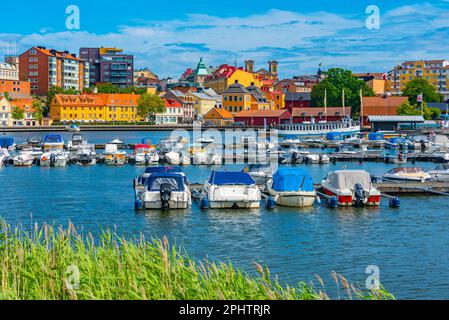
[249, 66]
[236, 82]
[252, 83]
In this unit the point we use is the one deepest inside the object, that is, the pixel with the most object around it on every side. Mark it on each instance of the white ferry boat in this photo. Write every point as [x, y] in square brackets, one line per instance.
[318, 129]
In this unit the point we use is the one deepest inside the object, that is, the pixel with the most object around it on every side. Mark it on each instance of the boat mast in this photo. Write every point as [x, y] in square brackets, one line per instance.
[361, 109]
[343, 102]
[325, 104]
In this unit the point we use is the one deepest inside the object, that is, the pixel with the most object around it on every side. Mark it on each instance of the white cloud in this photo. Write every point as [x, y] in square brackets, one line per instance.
[300, 42]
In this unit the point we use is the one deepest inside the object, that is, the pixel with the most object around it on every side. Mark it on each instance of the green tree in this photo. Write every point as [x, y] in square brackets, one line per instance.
[108, 88]
[135, 90]
[38, 108]
[150, 104]
[421, 86]
[336, 81]
[407, 109]
[17, 113]
[7, 96]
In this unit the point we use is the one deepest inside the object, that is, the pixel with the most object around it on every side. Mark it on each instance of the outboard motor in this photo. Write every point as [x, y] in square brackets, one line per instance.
[165, 196]
[359, 194]
[423, 145]
[52, 159]
[295, 158]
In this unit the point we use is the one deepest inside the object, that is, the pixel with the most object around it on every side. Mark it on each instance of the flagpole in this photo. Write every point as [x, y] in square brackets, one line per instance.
[361, 109]
[325, 105]
[343, 102]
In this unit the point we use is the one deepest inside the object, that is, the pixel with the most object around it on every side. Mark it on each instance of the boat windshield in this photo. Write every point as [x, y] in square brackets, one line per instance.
[400, 170]
[155, 182]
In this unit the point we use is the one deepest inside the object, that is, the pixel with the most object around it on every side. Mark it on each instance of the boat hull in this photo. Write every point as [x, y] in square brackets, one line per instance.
[178, 200]
[293, 199]
[234, 204]
[348, 199]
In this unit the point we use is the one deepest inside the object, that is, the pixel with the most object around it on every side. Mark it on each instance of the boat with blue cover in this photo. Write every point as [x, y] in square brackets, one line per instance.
[232, 190]
[164, 191]
[53, 142]
[291, 187]
[7, 143]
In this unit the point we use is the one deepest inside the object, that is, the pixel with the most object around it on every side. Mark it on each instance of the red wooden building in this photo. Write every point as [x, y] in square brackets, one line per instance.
[331, 114]
[263, 117]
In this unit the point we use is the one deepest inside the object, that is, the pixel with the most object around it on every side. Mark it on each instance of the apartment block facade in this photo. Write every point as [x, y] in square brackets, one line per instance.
[109, 65]
[434, 71]
[45, 68]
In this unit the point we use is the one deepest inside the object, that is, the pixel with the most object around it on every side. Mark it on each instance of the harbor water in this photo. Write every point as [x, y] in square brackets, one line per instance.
[409, 245]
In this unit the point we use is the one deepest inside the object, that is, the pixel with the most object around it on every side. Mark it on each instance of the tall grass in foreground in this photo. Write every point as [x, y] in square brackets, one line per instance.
[44, 264]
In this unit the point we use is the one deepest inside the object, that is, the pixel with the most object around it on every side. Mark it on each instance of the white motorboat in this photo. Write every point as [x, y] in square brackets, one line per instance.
[319, 129]
[399, 158]
[73, 128]
[351, 187]
[205, 140]
[113, 156]
[56, 158]
[232, 190]
[173, 158]
[53, 142]
[23, 160]
[214, 158]
[145, 154]
[139, 182]
[164, 191]
[86, 155]
[200, 157]
[292, 188]
[441, 142]
[76, 142]
[169, 145]
[4, 155]
[407, 174]
[419, 143]
[261, 173]
[441, 157]
[440, 173]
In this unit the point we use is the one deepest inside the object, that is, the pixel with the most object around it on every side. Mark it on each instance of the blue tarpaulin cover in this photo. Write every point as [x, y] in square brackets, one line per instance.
[397, 140]
[155, 181]
[6, 142]
[163, 170]
[53, 138]
[226, 178]
[376, 136]
[288, 180]
[334, 136]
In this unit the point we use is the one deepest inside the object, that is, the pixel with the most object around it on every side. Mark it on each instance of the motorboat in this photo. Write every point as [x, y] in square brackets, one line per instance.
[7, 143]
[395, 143]
[200, 157]
[261, 173]
[214, 158]
[56, 158]
[116, 141]
[205, 140]
[399, 158]
[169, 145]
[289, 141]
[419, 143]
[53, 142]
[34, 142]
[76, 142]
[35, 152]
[145, 154]
[441, 157]
[351, 187]
[376, 139]
[440, 141]
[292, 188]
[113, 156]
[4, 155]
[232, 190]
[139, 182]
[23, 160]
[164, 191]
[407, 174]
[74, 128]
[440, 173]
[86, 155]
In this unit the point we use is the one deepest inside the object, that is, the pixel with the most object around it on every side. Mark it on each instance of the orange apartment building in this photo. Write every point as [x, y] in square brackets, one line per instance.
[45, 68]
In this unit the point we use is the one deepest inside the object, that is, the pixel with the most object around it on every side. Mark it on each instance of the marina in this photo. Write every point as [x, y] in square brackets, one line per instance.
[296, 243]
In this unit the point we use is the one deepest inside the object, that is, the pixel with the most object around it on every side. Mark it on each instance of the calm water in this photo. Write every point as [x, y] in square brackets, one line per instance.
[410, 245]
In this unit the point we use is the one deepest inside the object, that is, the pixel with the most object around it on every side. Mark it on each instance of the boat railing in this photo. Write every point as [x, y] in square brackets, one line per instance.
[317, 127]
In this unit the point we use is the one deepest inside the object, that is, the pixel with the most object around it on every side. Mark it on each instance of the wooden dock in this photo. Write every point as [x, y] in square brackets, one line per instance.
[415, 188]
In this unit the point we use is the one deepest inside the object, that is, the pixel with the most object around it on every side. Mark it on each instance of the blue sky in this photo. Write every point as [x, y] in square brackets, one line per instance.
[169, 36]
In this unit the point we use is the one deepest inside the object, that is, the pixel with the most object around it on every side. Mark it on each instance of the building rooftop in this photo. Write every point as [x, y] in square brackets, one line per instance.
[263, 113]
[406, 119]
[320, 111]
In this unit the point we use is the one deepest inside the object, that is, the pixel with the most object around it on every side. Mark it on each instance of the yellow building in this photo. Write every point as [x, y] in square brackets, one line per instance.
[202, 103]
[236, 98]
[95, 108]
[227, 75]
[219, 117]
[434, 71]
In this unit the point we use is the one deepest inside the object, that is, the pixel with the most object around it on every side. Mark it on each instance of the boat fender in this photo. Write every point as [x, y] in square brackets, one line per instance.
[270, 203]
[395, 203]
[332, 202]
[138, 204]
[317, 201]
[204, 203]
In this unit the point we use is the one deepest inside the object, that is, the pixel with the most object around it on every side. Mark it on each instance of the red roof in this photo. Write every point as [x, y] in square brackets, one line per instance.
[224, 71]
[171, 103]
[262, 114]
[316, 111]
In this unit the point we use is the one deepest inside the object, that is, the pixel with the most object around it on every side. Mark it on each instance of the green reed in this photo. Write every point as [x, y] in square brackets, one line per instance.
[51, 263]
